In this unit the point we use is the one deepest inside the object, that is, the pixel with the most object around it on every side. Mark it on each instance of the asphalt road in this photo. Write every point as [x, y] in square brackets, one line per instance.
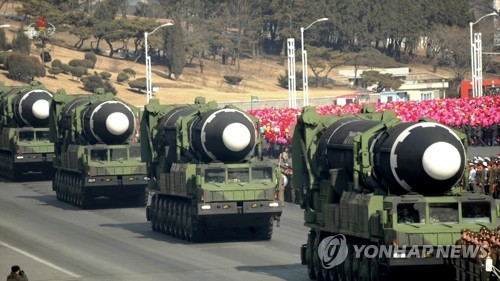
[52, 240]
[483, 151]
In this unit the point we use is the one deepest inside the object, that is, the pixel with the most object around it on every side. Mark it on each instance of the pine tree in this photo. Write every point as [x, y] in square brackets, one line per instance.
[175, 51]
[21, 43]
[4, 45]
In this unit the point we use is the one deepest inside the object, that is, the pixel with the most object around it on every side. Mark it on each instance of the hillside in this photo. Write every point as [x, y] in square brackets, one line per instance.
[260, 76]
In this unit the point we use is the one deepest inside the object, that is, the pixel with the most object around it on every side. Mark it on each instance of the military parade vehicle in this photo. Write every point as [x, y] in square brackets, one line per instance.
[371, 181]
[96, 150]
[24, 125]
[207, 171]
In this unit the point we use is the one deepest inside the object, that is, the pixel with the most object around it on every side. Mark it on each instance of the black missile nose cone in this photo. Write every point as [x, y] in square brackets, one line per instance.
[32, 108]
[109, 122]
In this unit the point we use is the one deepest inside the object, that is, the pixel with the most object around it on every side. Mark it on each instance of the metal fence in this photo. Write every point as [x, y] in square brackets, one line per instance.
[278, 103]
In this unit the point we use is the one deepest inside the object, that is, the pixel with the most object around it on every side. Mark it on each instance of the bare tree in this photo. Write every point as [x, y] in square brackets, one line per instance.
[243, 16]
[456, 54]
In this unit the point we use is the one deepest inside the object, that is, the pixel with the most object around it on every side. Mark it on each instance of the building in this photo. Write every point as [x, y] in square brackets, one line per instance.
[418, 86]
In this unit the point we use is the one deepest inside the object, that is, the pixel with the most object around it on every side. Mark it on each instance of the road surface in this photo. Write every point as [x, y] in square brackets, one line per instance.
[52, 240]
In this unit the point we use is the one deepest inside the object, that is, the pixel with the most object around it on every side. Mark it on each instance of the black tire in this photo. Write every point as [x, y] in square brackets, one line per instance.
[310, 251]
[265, 232]
[198, 233]
[374, 270]
[364, 270]
[347, 266]
[154, 213]
[87, 200]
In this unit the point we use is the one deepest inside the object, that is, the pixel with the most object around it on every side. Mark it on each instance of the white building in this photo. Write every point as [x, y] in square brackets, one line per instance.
[419, 86]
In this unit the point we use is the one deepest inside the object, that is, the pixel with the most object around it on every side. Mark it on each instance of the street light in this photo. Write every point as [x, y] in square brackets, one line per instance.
[5, 26]
[305, 85]
[149, 85]
[476, 89]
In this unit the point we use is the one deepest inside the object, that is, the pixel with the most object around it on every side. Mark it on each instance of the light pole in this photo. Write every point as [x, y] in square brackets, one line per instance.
[305, 86]
[476, 89]
[149, 84]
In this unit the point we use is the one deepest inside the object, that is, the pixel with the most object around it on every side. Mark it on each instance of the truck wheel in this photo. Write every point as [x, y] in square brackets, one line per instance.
[348, 274]
[374, 270]
[364, 270]
[266, 231]
[309, 255]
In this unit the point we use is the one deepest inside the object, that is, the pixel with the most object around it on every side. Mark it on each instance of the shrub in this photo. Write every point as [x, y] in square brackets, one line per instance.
[232, 79]
[46, 57]
[78, 71]
[83, 63]
[66, 68]
[56, 63]
[54, 71]
[3, 58]
[130, 72]
[109, 88]
[105, 75]
[92, 82]
[283, 80]
[139, 84]
[122, 77]
[23, 67]
[91, 57]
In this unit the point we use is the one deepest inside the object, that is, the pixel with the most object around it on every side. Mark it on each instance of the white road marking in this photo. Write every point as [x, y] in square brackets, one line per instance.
[72, 274]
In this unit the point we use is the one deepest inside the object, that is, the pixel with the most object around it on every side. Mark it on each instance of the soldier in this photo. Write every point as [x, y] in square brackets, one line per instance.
[484, 252]
[491, 178]
[496, 178]
[468, 133]
[480, 176]
[284, 156]
[484, 230]
[472, 177]
[479, 136]
[494, 248]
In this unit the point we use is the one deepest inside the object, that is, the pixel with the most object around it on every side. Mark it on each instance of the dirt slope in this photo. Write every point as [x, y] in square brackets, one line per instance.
[260, 76]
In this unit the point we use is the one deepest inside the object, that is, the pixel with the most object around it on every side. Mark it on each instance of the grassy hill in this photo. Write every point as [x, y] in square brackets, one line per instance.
[260, 76]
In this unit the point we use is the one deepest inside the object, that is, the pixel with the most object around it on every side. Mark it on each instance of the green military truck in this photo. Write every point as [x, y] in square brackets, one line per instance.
[24, 126]
[207, 171]
[96, 150]
[380, 195]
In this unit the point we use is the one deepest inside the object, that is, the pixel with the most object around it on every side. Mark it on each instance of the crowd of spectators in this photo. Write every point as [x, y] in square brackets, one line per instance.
[478, 118]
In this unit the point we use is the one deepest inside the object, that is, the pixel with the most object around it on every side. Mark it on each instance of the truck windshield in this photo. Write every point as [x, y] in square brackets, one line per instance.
[236, 175]
[213, 176]
[42, 136]
[411, 212]
[443, 212]
[99, 155]
[27, 136]
[264, 174]
[118, 154]
[476, 212]
[135, 153]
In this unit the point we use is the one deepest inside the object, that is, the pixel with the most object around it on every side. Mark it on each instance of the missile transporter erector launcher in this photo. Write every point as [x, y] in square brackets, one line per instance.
[206, 171]
[370, 181]
[96, 153]
[24, 126]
